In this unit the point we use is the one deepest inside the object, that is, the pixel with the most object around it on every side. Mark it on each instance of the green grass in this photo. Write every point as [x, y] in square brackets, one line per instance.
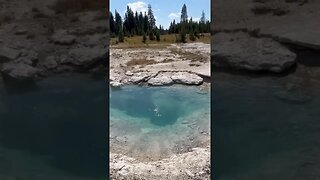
[136, 41]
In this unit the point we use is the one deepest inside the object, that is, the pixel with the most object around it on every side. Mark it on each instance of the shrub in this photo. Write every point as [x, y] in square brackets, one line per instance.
[158, 36]
[121, 36]
[192, 37]
[151, 36]
[144, 38]
[183, 37]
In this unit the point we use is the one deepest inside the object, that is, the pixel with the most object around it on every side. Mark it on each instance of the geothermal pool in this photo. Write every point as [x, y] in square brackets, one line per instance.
[151, 123]
[54, 129]
[266, 127]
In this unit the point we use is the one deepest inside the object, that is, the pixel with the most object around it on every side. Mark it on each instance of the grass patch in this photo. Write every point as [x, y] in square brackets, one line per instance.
[189, 55]
[135, 62]
[136, 41]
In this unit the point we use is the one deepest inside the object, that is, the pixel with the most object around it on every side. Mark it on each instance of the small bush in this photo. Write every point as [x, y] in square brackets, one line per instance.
[121, 36]
[144, 38]
[192, 37]
[134, 62]
[151, 36]
[158, 36]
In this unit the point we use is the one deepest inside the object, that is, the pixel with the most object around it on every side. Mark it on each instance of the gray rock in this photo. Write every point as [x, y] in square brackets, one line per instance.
[21, 32]
[94, 40]
[160, 80]
[129, 73]
[29, 57]
[49, 63]
[240, 51]
[139, 77]
[88, 56]
[116, 84]
[186, 78]
[19, 71]
[8, 54]
[63, 38]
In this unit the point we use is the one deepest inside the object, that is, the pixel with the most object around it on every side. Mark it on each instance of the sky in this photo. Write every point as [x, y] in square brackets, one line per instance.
[164, 11]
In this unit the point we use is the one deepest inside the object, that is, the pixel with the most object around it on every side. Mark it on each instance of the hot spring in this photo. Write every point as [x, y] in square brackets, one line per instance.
[151, 123]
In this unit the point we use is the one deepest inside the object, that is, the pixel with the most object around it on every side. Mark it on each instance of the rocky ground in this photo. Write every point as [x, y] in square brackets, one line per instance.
[271, 39]
[187, 64]
[37, 41]
[263, 35]
[191, 165]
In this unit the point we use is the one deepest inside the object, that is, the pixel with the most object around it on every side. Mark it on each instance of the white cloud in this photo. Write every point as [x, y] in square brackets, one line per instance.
[139, 6]
[195, 19]
[174, 15]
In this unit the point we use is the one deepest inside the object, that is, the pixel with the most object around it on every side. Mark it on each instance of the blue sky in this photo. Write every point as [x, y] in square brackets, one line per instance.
[164, 11]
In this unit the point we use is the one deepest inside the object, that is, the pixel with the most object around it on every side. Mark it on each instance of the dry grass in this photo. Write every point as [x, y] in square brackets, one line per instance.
[189, 55]
[136, 41]
[69, 6]
[144, 61]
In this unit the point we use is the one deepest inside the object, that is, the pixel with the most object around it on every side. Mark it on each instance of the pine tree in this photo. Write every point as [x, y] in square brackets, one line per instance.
[141, 26]
[146, 23]
[112, 25]
[184, 14]
[182, 34]
[174, 27]
[121, 35]
[152, 20]
[203, 17]
[118, 23]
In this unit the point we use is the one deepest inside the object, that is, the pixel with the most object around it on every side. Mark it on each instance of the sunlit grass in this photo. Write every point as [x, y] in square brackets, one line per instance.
[136, 41]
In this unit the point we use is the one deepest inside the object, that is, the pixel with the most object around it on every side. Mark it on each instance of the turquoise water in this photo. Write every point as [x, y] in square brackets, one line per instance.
[153, 120]
[162, 106]
[265, 127]
[54, 129]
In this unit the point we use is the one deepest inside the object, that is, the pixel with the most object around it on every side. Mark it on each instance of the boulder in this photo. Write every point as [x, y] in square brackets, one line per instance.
[29, 57]
[187, 78]
[8, 54]
[241, 51]
[63, 38]
[129, 73]
[160, 80]
[49, 62]
[19, 71]
[139, 77]
[88, 56]
[115, 84]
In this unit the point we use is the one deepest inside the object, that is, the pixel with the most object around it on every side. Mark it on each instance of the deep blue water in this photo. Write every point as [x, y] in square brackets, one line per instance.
[63, 118]
[263, 131]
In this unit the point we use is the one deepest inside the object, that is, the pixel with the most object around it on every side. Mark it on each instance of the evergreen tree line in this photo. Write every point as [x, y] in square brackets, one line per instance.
[191, 26]
[135, 23]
